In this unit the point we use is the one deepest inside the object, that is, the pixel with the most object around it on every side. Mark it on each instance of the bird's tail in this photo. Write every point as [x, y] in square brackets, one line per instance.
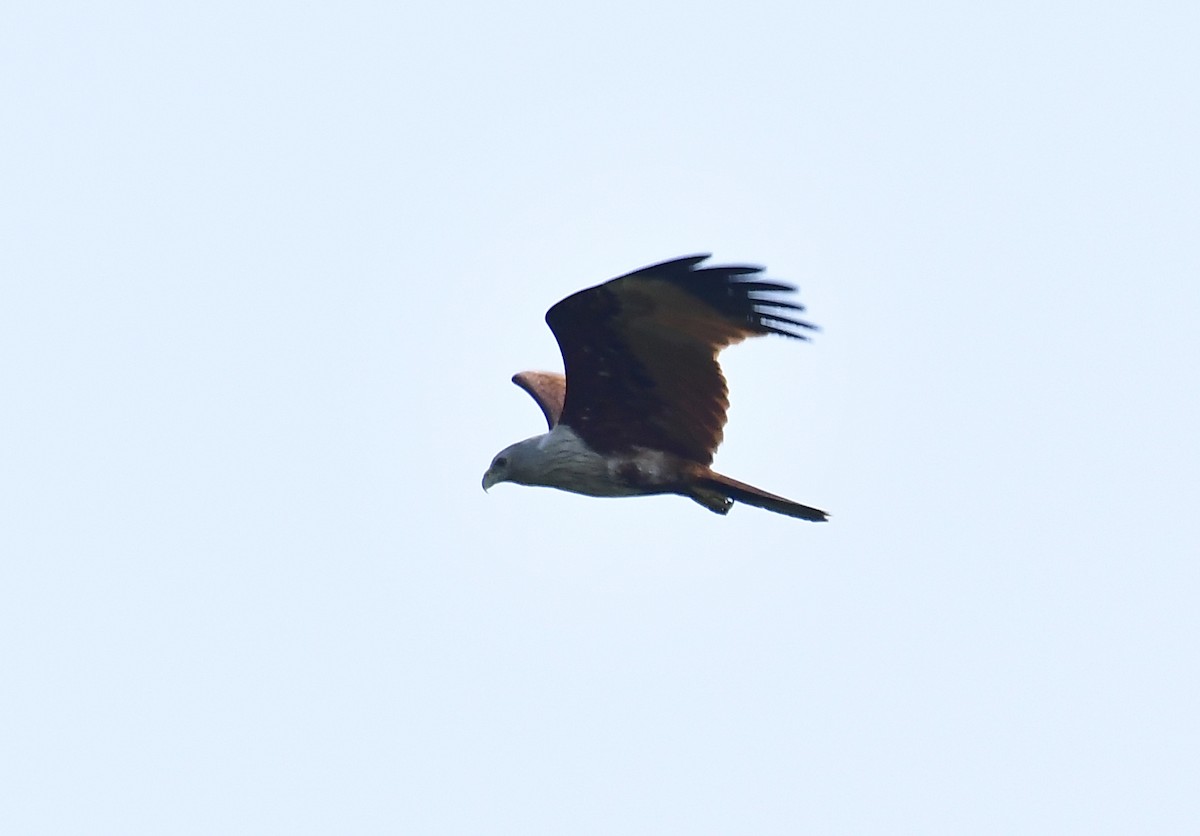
[717, 493]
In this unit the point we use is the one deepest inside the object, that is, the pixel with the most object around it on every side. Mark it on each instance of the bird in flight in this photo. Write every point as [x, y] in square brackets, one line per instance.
[641, 409]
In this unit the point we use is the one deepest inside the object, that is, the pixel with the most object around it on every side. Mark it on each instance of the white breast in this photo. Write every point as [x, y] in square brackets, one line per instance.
[568, 464]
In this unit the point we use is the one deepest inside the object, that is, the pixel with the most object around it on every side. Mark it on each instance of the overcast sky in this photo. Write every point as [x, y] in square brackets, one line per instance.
[265, 272]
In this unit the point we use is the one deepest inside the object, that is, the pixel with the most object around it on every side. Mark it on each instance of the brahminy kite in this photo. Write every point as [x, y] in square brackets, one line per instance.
[642, 406]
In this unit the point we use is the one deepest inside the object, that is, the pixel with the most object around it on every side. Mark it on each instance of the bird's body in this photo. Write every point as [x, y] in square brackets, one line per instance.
[646, 404]
[561, 459]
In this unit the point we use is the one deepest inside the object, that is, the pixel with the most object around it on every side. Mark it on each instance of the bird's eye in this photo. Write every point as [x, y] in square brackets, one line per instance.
[500, 462]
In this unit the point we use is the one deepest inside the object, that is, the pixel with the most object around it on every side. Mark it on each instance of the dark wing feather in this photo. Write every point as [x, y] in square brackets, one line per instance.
[640, 353]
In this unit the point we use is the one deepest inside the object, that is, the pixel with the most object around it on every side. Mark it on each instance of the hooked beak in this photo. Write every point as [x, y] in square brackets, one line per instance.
[489, 479]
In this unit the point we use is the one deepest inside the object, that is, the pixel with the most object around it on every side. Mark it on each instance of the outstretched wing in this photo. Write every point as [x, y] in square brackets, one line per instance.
[549, 389]
[640, 353]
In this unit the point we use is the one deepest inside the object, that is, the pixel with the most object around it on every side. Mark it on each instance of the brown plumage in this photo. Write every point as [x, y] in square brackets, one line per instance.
[646, 403]
[549, 389]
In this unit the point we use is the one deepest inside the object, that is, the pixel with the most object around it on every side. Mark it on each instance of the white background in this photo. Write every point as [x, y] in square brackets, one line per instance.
[265, 271]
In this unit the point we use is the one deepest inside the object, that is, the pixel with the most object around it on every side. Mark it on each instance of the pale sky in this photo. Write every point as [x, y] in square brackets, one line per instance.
[268, 268]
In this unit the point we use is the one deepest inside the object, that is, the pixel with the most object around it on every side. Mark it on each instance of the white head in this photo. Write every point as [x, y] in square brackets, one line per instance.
[522, 463]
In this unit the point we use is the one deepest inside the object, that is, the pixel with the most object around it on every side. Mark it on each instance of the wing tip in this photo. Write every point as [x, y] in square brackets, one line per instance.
[736, 291]
[548, 390]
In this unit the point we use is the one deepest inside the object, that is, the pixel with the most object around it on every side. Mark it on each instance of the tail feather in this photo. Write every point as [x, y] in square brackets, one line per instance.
[710, 482]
